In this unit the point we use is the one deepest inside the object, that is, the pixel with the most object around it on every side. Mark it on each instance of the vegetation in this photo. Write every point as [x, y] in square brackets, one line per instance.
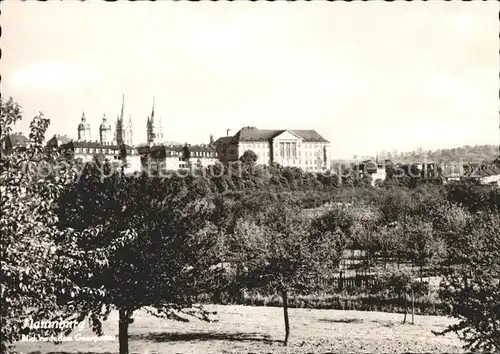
[90, 240]
[169, 261]
[36, 271]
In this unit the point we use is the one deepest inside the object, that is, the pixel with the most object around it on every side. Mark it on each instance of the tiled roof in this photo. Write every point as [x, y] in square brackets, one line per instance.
[91, 144]
[254, 134]
[57, 140]
[485, 171]
[15, 140]
[310, 135]
[222, 140]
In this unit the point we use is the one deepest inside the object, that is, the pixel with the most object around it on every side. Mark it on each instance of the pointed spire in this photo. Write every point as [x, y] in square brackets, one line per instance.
[130, 120]
[123, 107]
[83, 116]
[153, 110]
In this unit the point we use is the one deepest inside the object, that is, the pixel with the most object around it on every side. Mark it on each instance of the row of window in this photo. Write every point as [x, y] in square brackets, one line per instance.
[285, 153]
[203, 154]
[100, 151]
[130, 152]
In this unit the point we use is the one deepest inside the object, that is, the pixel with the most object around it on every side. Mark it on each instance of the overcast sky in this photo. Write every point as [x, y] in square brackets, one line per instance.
[367, 76]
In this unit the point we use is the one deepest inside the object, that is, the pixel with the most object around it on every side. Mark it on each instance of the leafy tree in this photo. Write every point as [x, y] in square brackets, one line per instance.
[170, 261]
[36, 271]
[473, 289]
[405, 287]
[278, 251]
[249, 158]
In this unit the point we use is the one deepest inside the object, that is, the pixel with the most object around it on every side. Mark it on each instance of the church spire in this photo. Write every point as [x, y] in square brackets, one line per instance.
[153, 110]
[123, 107]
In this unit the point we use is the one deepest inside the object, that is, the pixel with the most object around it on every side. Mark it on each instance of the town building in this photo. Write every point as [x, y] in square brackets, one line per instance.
[175, 157]
[305, 149]
[89, 150]
[57, 141]
[112, 146]
[12, 142]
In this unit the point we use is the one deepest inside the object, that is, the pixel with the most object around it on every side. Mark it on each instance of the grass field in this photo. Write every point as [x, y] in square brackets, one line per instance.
[245, 329]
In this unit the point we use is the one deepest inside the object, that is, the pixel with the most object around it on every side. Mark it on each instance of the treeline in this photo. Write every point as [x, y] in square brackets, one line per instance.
[465, 154]
[191, 235]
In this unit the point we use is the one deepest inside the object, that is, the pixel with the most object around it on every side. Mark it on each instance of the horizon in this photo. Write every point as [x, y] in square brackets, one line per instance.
[368, 77]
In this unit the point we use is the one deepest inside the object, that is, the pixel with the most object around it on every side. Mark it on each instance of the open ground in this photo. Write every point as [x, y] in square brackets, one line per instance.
[245, 329]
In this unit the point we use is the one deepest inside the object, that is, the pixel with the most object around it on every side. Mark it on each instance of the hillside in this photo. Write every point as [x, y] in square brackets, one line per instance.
[467, 153]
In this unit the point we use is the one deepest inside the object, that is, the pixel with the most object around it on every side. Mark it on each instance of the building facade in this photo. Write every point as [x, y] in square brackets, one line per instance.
[113, 145]
[305, 149]
[88, 151]
[175, 157]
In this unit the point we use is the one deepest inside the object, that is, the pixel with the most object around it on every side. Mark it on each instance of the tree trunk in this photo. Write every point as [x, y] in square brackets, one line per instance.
[412, 307]
[123, 322]
[406, 307]
[285, 313]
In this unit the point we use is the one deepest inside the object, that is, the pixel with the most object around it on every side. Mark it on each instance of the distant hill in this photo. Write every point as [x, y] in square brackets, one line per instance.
[467, 153]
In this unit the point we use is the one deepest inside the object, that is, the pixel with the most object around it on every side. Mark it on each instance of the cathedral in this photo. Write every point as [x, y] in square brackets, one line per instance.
[116, 145]
[123, 133]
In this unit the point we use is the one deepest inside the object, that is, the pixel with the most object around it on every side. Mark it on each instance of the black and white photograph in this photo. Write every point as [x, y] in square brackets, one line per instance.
[249, 177]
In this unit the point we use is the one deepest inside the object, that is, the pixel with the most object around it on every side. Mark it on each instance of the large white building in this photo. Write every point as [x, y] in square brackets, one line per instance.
[305, 149]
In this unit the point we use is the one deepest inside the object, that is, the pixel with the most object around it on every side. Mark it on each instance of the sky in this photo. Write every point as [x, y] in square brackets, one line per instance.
[368, 76]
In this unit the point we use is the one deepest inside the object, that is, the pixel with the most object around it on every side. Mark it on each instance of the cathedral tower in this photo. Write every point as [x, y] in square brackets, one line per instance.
[105, 132]
[123, 131]
[84, 129]
[154, 128]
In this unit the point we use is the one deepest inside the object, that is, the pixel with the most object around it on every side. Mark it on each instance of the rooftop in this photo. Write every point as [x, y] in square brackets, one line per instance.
[254, 134]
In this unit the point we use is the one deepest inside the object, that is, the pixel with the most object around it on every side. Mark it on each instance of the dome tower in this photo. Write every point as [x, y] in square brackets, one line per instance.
[105, 132]
[84, 129]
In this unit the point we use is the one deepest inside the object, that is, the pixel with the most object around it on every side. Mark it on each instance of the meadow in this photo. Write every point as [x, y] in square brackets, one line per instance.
[246, 329]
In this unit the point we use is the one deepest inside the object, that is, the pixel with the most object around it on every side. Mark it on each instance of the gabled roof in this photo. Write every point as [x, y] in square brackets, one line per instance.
[310, 136]
[254, 134]
[58, 140]
[222, 140]
[15, 140]
[485, 171]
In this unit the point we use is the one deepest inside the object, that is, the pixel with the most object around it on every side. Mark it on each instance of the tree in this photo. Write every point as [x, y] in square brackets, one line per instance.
[473, 290]
[170, 261]
[277, 251]
[249, 157]
[35, 270]
[406, 288]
